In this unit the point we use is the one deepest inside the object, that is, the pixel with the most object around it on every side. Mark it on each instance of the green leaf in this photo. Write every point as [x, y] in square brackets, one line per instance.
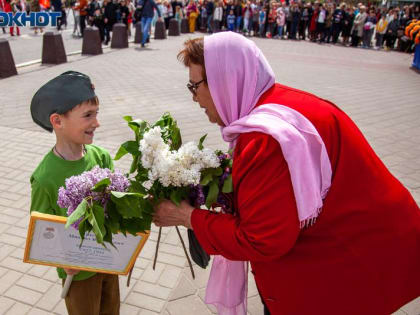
[121, 152]
[134, 226]
[165, 120]
[97, 222]
[146, 207]
[131, 225]
[176, 138]
[136, 187]
[134, 164]
[200, 143]
[228, 185]
[113, 217]
[230, 163]
[88, 225]
[128, 118]
[108, 235]
[99, 214]
[213, 193]
[177, 195]
[82, 229]
[77, 213]
[208, 174]
[138, 126]
[206, 179]
[101, 185]
[127, 204]
[131, 147]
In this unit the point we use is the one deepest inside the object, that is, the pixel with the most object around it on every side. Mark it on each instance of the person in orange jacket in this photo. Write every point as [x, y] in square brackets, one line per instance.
[82, 8]
[413, 32]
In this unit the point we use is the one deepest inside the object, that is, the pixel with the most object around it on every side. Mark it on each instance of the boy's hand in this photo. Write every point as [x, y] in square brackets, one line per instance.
[71, 272]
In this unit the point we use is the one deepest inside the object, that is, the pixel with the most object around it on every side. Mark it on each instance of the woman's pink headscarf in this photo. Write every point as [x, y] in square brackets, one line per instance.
[237, 75]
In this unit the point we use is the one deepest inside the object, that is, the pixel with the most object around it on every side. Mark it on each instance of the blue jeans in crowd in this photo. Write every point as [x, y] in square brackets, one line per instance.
[238, 23]
[146, 23]
[280, 30]
[261, 27]
[209, 23]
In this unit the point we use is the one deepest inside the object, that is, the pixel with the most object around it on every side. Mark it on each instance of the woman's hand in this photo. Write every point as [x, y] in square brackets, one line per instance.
[169, 214]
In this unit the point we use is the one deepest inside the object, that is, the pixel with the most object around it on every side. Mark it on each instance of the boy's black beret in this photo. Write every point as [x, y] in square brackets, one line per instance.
[60, 95]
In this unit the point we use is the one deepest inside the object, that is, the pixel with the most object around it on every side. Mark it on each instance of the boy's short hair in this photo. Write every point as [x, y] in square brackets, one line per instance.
[60, 95]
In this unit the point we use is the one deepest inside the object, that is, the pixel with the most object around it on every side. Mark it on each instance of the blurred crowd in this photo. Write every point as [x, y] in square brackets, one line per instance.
[367, 26]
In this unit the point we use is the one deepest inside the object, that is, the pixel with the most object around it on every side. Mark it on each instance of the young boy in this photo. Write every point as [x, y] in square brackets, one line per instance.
[231, 21]
[68, 106]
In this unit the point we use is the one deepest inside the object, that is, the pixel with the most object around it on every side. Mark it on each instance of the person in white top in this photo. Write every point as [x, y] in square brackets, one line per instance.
[320, 22]
[218, 16]
[76, 16]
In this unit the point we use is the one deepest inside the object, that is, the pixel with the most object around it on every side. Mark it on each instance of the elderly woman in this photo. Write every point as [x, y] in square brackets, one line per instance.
[326, 227]
[359, 22]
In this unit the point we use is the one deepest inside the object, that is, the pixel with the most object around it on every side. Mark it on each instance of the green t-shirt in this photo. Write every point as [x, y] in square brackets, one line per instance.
[51, 174]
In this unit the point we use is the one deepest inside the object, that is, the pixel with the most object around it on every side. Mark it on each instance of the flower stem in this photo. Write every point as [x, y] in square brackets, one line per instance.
[129, 276]
[185, 251]
[157, 248]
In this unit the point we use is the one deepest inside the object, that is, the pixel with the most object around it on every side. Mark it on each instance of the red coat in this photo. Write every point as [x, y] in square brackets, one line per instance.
[362, 256]
[5, 5]
[312, 23]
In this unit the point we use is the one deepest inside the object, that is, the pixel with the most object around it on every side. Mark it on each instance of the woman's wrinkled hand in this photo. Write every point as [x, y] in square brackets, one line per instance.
[169, 214]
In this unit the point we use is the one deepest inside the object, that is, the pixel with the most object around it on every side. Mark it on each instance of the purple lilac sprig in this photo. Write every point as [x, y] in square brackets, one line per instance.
[196, 195]
[79, 187]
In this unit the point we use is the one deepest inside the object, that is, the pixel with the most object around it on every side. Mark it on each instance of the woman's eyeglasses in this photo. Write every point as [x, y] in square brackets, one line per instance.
[193, 86]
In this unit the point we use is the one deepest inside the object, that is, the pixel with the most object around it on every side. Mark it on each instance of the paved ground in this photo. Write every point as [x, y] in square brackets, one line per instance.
[377, 89]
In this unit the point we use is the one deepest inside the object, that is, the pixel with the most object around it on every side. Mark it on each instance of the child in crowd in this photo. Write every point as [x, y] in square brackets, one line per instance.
[231, 21]
[381, 27]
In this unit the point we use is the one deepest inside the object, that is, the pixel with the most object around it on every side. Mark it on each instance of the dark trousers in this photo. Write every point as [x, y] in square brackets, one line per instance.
[355, 40]
[288, 28]
[82, 23]
[62, 20]
[102, 32]
[379, 40]
[293, 31]
[390, 40]
[327, 34]
[302, 29]
[320, 29]
[336, 29]
[167, 22]
[107, 33]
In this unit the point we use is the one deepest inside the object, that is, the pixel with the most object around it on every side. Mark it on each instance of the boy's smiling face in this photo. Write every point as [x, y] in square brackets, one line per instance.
[77, 125]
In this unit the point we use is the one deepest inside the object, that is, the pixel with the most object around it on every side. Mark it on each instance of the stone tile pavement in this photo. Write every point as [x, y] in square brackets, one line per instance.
[377, 89]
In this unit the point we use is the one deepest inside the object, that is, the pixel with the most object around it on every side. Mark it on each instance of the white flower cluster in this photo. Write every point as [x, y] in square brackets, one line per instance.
[174, 168]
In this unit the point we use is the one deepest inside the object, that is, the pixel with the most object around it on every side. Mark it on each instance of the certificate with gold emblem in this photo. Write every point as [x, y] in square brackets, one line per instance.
[50, 243]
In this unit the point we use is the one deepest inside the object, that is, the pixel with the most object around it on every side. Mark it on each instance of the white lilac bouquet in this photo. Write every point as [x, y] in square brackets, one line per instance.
[101, 201]
[164, 168]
